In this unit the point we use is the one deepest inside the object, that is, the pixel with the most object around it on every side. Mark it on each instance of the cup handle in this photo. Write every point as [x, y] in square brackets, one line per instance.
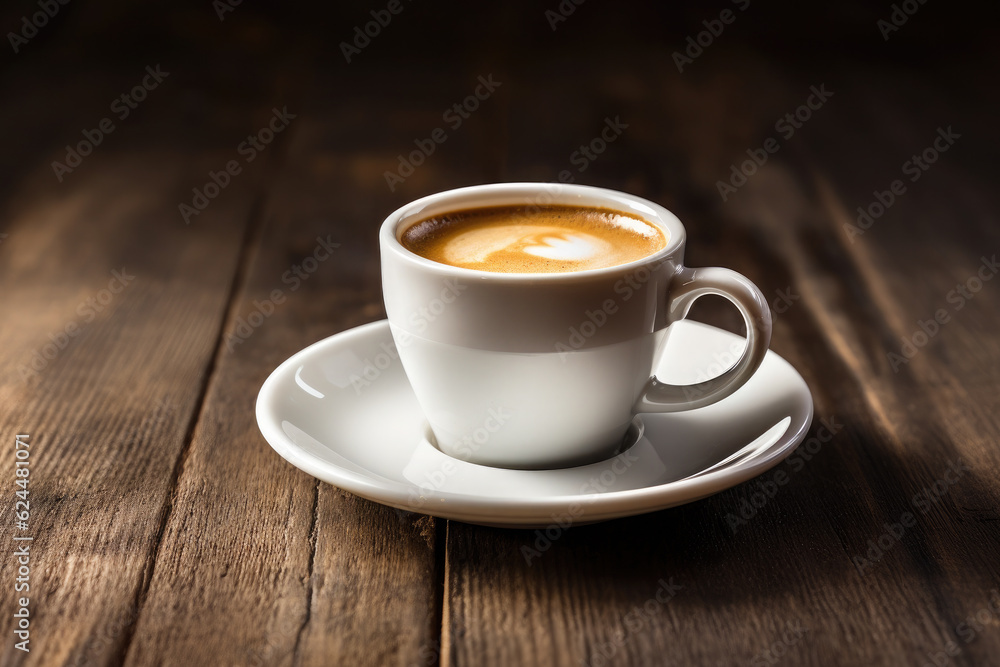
[685, 287]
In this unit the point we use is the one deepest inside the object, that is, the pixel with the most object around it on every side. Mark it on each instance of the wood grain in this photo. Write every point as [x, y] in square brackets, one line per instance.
[109, 413]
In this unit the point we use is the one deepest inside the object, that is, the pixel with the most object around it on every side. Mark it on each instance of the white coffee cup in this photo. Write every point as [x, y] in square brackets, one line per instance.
[549, 370]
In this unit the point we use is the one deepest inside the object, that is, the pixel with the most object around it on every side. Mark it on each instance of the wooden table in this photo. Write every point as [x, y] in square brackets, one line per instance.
[136, 333]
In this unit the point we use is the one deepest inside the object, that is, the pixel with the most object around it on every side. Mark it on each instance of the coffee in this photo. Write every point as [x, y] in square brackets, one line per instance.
[522, 239]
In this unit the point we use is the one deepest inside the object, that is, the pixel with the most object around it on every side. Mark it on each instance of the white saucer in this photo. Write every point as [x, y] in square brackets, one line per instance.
[370, 439]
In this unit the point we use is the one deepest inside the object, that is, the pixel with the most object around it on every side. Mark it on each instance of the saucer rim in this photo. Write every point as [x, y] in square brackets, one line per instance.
[490, 510]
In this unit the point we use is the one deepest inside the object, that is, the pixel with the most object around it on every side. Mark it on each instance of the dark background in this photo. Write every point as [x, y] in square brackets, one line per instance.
[288, 54]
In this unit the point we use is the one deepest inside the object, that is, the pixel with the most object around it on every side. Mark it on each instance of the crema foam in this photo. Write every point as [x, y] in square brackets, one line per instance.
[520, 239]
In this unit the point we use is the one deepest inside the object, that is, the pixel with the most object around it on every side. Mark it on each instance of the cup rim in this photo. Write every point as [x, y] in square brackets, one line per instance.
[561, 194]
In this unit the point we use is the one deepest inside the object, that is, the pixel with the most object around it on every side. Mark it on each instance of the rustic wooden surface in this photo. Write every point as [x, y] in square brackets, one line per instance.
[167, 532]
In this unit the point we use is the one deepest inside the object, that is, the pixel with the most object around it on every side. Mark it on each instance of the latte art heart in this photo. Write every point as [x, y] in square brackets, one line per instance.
[552, 239]
[567, 247]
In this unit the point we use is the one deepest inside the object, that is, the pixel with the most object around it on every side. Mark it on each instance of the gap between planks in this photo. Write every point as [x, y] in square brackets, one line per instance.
[442, 592]
[249, 246]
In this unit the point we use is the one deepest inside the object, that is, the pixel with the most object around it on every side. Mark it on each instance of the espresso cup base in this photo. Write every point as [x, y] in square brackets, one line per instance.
[633, 434]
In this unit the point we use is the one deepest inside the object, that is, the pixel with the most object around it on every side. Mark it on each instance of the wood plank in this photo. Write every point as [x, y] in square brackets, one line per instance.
[108, 414]
[573, 604]
[259, 561]
[111, 413]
